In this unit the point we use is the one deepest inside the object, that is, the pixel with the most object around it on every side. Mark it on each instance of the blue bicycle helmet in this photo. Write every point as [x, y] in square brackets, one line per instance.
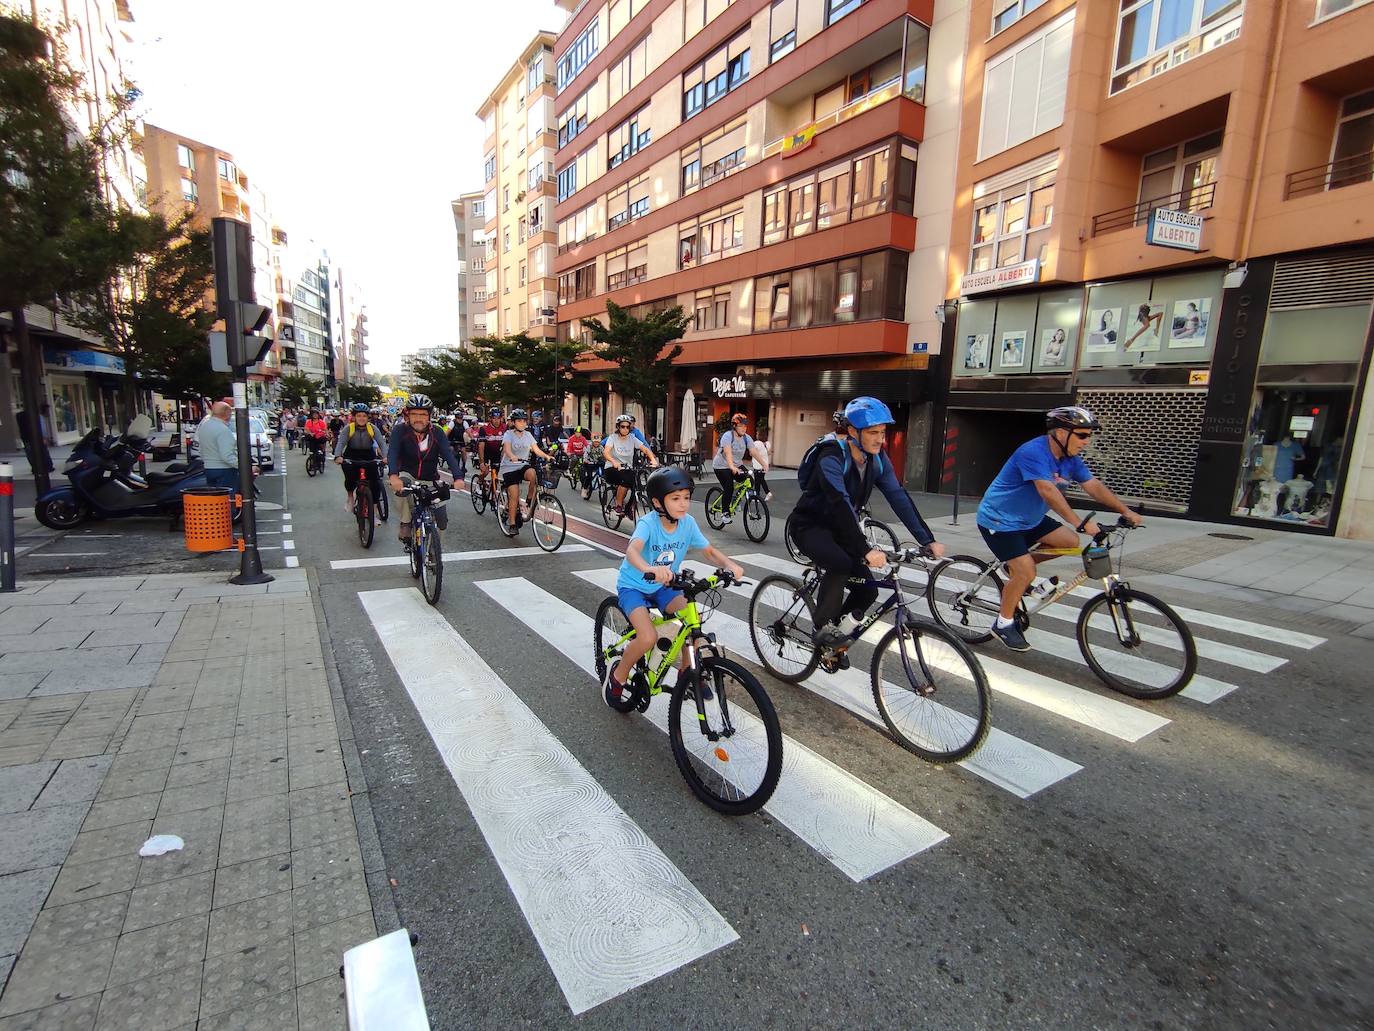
[865, 412]
[360, 406]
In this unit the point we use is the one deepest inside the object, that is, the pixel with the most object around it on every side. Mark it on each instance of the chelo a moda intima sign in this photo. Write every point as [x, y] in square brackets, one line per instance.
[999, 278]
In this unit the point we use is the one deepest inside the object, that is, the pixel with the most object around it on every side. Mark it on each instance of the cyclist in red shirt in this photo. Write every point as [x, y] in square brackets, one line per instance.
[489, 435]
[316, 430]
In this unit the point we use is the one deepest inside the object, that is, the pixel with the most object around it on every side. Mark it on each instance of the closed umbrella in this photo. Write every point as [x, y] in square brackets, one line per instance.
[689, 421]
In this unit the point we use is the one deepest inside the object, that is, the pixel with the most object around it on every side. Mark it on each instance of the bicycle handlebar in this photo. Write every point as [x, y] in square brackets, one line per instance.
[422, 493]
[1104, 532]
[690, 584]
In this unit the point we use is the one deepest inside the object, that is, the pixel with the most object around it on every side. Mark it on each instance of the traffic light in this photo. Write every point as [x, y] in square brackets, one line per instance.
[252, 348]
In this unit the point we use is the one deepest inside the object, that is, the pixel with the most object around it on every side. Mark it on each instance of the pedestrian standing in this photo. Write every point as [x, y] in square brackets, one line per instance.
[219, 447]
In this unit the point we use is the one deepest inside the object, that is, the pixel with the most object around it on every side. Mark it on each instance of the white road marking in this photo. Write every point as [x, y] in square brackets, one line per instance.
[455, 556]
[289, 545]
[292, 562]
[609, 910]
[857, 827]
[62, 554]
[1012, 764]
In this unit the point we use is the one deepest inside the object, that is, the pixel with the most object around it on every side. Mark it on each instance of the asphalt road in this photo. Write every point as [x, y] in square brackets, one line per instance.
[1212, 873]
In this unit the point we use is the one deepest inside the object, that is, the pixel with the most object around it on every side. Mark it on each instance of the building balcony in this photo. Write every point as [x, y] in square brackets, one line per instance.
[1194, 200]
[1334, 175]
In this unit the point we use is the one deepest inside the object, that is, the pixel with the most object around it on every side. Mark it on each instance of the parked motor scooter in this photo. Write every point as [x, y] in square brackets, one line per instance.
[104, 485]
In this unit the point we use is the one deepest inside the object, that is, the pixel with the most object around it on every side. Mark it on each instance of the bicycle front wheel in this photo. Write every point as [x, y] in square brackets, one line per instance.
[715, 504]
[756, 518]
[1136, 644]
[417, 545]
[954, 603]
[549, 522]
[477, 492]
[931, 692]
[880, 535]
[735, 773]
[367, 517]
[609, 515]
[432, 568]
[781, 618]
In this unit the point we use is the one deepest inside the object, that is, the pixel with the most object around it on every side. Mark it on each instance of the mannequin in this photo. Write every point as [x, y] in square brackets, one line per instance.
[1297, 490]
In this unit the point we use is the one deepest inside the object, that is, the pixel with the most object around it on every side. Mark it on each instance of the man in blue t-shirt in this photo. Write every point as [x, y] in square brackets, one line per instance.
[1014, 515]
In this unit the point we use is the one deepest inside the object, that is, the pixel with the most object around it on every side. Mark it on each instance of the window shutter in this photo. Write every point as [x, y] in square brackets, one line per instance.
[1054, 79]
[996, 103]
[1025, 89]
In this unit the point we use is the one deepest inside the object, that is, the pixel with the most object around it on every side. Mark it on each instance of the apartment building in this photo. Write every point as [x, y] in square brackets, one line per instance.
[1165, 211]
[517, 173]
[762, 164]
[470, 227]
[348, 327]
[424, 354]
[310, 306]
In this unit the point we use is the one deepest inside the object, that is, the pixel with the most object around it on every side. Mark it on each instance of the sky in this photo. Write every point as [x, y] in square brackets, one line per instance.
[356, 118]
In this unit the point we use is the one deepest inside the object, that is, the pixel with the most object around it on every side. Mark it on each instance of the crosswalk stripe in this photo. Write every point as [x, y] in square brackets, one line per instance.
[1276, 634]
[453, 556]
[1200, 688]
[1108, 715]
[1004, 760]
[610, 911]
[855, 826]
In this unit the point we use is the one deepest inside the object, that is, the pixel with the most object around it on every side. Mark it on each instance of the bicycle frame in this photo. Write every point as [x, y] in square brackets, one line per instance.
[1110, 582]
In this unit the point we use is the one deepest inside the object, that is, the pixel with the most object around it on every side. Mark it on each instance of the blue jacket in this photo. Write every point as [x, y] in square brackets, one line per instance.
[841, 491]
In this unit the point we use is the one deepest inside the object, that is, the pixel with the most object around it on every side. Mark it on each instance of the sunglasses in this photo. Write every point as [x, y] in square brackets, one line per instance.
[1083, 434]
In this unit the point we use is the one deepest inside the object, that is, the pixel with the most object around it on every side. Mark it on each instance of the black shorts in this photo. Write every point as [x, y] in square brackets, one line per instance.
[491, 454]
[352, 473]
[1010, 544]
[621, 477]
[513, 478]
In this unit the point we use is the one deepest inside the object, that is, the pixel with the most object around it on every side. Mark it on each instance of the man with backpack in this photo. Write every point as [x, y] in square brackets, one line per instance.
[837, 475]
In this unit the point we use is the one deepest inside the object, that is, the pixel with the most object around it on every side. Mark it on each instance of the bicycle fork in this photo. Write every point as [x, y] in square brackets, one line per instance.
[727, 729]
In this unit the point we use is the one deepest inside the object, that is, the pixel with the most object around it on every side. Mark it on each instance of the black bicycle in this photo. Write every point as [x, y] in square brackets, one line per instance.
[369, 500]
[928, 686]
[314, 460]
[879, 536]
[426, 550]
[547, 518]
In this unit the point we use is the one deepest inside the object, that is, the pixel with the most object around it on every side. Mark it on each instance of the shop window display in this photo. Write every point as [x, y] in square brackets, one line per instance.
[1291, 461]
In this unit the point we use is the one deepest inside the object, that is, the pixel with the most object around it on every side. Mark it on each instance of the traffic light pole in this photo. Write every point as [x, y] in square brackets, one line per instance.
[250, 559]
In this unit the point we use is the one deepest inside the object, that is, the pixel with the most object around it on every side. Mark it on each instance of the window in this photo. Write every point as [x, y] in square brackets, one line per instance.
[627, 203]
[479, 295]
[506, 326]
[577, 284]
[721, 72]
[628, 265]
[629, 71]
[538, 120]
[1180, 175]
[188, 189]
[1153, 36]
[626, 138]
[540, 168]
[572, 177]
[538, 216]
[505, 241]
[1327, 8]
[505, 198]
[621, 13]
[575, 58]
[713, 157]
[697, 14]
[574, 119]
[538, 74]
[709, 237]
[505, 155]
[837, 9]
[782, 29]
[1024, 88]
[488, 123]
[1012, 225]
[577, 228]
[1008, 12]
[712, 309]
[853, 188]
[226, 169]
[479, 209]
[872, 286]
[185, 158]
[1352, 154]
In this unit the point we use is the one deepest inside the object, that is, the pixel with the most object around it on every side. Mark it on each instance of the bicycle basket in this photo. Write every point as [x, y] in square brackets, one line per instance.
[1097, 561]
[548, 478]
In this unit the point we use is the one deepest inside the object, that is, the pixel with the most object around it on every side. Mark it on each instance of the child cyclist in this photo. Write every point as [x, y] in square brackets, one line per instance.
[659, 545]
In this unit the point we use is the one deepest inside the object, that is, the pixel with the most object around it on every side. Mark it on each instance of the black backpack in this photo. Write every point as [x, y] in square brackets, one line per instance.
[806, 468]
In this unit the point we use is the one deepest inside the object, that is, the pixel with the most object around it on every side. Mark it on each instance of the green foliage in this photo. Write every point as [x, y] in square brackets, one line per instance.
[351, 393]
[297, 388]
[526, 372]
[451, 377]
[641, 350]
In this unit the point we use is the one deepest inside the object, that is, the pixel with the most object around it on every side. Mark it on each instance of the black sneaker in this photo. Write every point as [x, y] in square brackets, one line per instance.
[611, 691]
[405, 545]
[830, 636]
[1012, 637]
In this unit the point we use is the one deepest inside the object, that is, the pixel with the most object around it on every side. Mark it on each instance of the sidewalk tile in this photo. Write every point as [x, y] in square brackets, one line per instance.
[329, 900]
[169, 900]
[45, 976]
[165, 1002]
[23, 620]
[319, 951]
[270, 759]
[21, 897]
[248, 976]
[77, 1015]
[102, 639]
[142, 760]
[76, 780]
[201, 771]
[208, 731]
[253, 811]
[201, 853]
[318, 828]
[109, 842]
[171, 698]
[253, 842]
[80, 881]
[39, 837]
[253, 785]
[79, 922]
[331, 859]
[122, 785]
[19, 685]
[66, 681]
[317, 799]
[277, 1013]
[251, 880]
[323, 1006]
[45, 642]
[309, 775]
[252, 922]
[20, 785]
[150, 652]
[158, 949]
[200, 751]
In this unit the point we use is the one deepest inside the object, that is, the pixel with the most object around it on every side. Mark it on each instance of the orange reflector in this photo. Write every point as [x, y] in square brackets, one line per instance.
[722, 754]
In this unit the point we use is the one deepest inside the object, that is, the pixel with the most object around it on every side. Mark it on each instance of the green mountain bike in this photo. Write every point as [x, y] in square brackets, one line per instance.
[745, 497]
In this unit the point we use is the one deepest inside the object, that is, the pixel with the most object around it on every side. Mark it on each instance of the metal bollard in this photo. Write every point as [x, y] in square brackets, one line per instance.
[6, 527]
[955, 520]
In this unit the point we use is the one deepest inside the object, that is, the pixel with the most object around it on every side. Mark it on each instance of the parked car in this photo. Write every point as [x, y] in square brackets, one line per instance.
[263, 447]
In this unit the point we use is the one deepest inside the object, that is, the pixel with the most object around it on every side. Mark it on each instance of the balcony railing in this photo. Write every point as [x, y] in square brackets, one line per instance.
[1195, 198]
[1346, 171]
[888, 91]
[543, 320]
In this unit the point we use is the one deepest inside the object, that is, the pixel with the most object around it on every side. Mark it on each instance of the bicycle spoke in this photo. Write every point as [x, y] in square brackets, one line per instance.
[735, 768]
[1137, 645]
[930, 693]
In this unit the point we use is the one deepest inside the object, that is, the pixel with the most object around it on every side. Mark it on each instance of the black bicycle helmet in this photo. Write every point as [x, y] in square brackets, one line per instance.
[518, 413]
[1072, 417]
[666, 479]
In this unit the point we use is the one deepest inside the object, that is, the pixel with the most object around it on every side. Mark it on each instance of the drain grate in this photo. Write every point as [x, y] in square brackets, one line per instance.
[1231, 536]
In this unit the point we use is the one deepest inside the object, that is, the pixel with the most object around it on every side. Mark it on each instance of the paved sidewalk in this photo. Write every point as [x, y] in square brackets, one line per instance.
[134, 706]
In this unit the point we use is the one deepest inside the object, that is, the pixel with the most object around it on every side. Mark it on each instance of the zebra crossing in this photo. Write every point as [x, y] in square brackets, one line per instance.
[608, 909]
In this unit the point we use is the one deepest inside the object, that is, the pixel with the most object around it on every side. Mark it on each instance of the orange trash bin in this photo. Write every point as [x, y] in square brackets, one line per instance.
[207, 518]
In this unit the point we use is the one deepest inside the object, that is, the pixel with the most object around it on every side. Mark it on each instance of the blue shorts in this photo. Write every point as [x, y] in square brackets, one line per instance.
[1010, 544]
[632, 598]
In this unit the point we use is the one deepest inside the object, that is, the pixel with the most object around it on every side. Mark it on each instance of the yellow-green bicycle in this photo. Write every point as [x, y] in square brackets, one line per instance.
[721, 723]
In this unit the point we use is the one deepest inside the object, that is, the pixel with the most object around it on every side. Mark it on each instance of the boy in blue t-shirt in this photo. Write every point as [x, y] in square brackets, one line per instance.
[659, 545]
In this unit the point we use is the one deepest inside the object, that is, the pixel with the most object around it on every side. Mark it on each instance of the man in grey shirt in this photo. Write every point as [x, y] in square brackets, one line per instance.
[219, 448]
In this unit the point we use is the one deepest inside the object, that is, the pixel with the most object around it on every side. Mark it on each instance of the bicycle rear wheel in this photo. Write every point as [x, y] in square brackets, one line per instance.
[931, 692]
[1136, 644]
[756, 518]
[781, 618]
[367, 516]
[792, 548]
[432, 568]
[609, 515]
[715, 508]
[383, 506]
[955, 607]
[736, 773]
[549, 522]
[610, 627]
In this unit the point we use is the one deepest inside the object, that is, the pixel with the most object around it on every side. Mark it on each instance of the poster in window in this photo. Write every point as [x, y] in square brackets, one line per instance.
[845, 304]
[1102, 327]
[1143, 333]
[1054, 347]
[976, 351]
[1014, 350]
[1189, 326]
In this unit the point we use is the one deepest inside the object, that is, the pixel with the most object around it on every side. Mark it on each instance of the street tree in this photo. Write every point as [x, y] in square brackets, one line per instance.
[452, 376]
[352, 393]
[643, 351]
[58, 236]
[298, 388]
[525, 371]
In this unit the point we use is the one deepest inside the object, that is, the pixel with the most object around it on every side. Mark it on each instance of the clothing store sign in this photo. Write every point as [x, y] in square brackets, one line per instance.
[1181, 230]
[1000, 278]
[729, 386]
